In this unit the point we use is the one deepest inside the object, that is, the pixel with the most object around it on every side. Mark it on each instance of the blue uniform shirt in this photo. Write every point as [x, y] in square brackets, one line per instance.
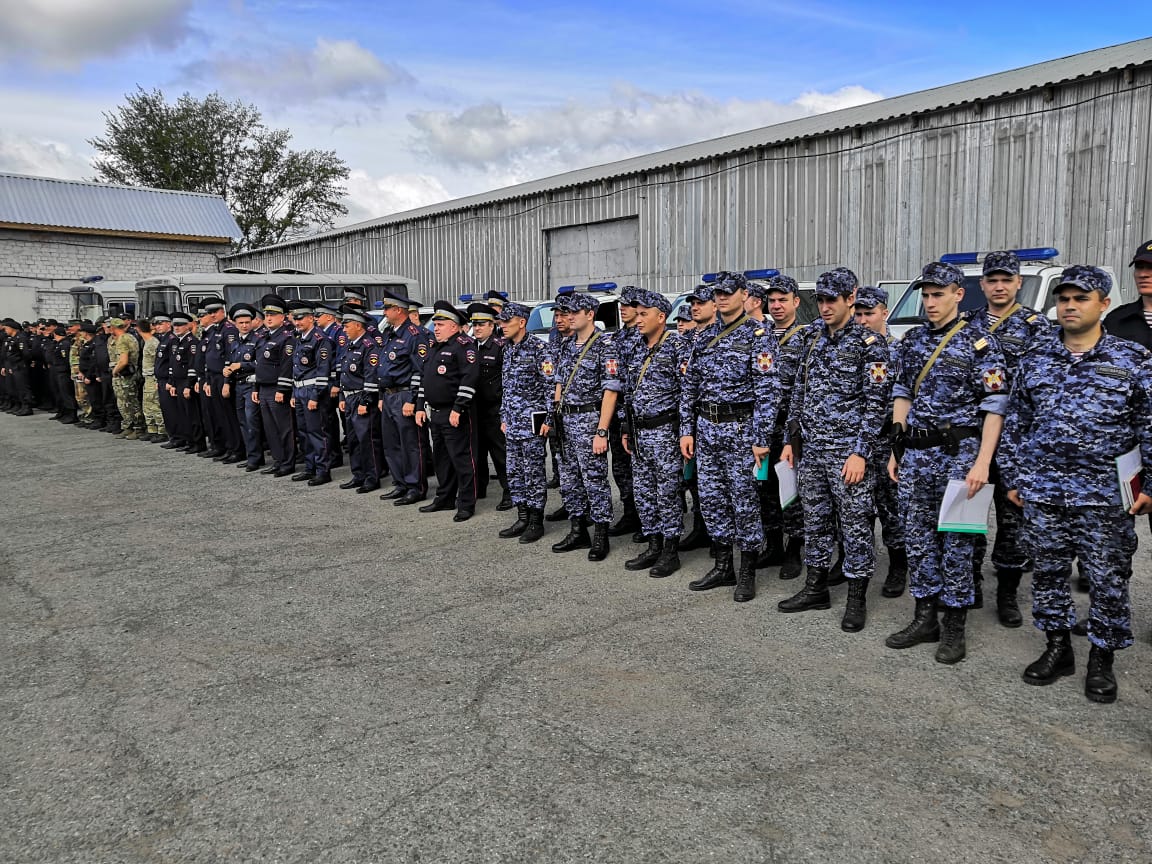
[528, 387]
[598, 370]
[311, 365]
[658, 392]
[405, 349]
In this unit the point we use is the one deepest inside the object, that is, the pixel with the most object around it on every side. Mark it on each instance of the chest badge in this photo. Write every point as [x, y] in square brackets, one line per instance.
[764, 361]
[304, 360]
[440, 370]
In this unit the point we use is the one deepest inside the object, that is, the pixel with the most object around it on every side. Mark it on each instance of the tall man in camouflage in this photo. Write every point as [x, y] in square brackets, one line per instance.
[150, 393]
[625, 342]
[124, 364]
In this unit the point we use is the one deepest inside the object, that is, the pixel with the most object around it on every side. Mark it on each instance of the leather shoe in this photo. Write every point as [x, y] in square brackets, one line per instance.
[232, 459]
[286, 471]
[462, 516]
[211, 454]
[410, 497]
[352, 484]
[365, 488]
[256, 467]
[302, 476]
[394, 492]
[320, 480]
[435, 507]
[271, 470]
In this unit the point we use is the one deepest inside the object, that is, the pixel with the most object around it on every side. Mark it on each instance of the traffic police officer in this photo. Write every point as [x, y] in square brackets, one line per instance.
[273, 373]
[490, 439]
[311, 375]
[182, 381]
[359, 401]
[240, 357]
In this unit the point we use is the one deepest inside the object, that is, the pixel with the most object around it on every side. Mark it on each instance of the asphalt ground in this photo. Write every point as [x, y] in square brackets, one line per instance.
[202, 665]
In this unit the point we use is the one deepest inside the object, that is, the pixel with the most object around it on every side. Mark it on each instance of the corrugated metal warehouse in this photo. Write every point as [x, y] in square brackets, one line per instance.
[1055, 154]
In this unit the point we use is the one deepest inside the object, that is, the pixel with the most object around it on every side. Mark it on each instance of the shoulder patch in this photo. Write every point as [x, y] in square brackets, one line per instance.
[980, 344]
[422, 350]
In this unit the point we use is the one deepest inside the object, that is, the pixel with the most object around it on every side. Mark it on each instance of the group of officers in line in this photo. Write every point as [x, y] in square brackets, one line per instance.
[717, 405]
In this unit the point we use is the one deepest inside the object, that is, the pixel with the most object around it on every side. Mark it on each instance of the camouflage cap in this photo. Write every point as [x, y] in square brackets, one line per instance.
[514, 310]
[703, 293]
[837, 282]
[116, 322]
[729, 283]
[757, 289]
[629, 295]
[564, 302]
[584, 302]
[939, 273]
[1087, 277]
[1002, 262]
[782, 283]
[869, 297]
[684, 312]
[653, 300]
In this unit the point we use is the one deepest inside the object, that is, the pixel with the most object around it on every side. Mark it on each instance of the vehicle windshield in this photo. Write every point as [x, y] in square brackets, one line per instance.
[540, 321]
[88, 306]
[153, 300]
[910, 310]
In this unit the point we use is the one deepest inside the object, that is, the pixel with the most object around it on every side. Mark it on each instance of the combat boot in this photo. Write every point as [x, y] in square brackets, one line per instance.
[649, 556]
[814, 594]
[1100, 682]
[1057, 660]
[628, 523]
[697, 537]
[897, 576]
[599, 549]
[577, 537]
[978, 583]
[669, 560]
[721, 573]
[793, 560]
[773, 553]
[924, 626]
[505, 502]
[856, 609]
[535, 529]
[746, 578]
[1007, 609]
[130, 435]
[836, 573]
[558, 515]
[519, 526]
[952, 648]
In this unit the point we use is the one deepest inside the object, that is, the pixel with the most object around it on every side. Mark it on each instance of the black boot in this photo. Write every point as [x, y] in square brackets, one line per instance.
[1007, 610]
[558, 515]
[746, 578]
[535, 529]
[1100, 682]
[628, 523]
[669, 560]
[897, 576]
[697, 538]
[518, 527]
[505, 502]
[952, 648]
[814, 594]
[793, 560]
[856, 610]
[577, 537]
[924, 627]
[978, 582]
[599, 549]
[640, 536]
[773, 553]
[649, 556]
[1057, 660]
[836, 573]
[721, 573]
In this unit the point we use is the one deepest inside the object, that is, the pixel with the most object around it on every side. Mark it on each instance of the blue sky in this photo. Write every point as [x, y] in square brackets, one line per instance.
[427, 101]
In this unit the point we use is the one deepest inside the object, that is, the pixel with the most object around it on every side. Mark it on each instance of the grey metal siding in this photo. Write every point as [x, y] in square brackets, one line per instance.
[1064, 165]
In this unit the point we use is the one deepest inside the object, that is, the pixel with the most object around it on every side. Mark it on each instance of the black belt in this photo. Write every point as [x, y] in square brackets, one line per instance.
[656, 420]
[925, 439]
[586, 408]
[392, 391]
[724, 413]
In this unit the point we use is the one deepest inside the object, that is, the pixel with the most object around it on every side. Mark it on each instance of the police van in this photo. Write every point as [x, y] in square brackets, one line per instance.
[1039, 274]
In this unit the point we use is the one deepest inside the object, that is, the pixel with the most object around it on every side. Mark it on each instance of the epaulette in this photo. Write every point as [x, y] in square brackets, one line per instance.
[868, 340]
[759, 331]
[1031, 319]
[980, 345]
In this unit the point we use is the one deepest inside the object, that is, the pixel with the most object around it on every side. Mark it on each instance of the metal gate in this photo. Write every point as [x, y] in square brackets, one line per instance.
[597, 252]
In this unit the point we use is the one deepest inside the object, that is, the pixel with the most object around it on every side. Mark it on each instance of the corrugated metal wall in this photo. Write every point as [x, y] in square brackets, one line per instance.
[1065, 166]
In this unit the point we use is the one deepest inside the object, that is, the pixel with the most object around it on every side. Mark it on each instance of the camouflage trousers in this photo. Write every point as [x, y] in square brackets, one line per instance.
[657, 470]
[832, 509]
[885, 497]
[128, 402]
[621, 461]
[1104, 541]
[725, 470]
[83, 402]
[584, 474]
[150, 406]
[1008, 552]
[527, 476]
[939, 562]
[789, 520]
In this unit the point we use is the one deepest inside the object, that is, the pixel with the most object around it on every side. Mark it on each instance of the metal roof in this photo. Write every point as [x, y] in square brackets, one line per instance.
[987, 87]
[74, 204]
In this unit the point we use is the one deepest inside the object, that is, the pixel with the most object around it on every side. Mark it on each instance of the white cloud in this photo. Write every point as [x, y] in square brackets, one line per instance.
[331, 69]
[371, 197]
[527, 144]
[20, 154]
[64, 33]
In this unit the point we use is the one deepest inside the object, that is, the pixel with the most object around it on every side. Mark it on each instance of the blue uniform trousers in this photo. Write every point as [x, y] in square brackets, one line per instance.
[401, 439]
[313, 431]
[527, 476]
[657, 471]
[832, 509]
[584, 474]
[365, 448]
[726, 468]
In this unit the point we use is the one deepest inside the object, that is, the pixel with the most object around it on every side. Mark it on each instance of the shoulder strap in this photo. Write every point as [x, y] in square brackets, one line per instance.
[743, 317]
[789, 333]
[651, 353]
[810, 352]
[576, 365]
[956, 328]
[1015, 308]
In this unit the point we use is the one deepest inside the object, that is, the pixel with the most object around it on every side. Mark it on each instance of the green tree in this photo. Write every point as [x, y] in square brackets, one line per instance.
[211, 145]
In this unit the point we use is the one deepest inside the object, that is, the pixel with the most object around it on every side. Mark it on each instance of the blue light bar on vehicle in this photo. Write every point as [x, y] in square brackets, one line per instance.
[1042, 253]
[479, 298]
[88, 280]
[768, 273]
[592, 288]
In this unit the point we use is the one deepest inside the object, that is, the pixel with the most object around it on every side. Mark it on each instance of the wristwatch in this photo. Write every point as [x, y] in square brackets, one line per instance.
[601, 433]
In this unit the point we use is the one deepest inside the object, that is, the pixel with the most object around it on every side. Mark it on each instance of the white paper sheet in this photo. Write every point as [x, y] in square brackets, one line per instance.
[787, 481]
[959, 513]
[1128, 468]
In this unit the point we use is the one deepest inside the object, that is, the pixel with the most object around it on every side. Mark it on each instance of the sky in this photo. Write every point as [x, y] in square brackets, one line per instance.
[436, 100]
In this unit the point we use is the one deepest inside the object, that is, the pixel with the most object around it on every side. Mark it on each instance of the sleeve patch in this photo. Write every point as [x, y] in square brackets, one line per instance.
[373, 360]
[764, 361]
[878, 372]
[547, 368]
[612, 366]
[422, 350]
[470, 355]
[994, 380]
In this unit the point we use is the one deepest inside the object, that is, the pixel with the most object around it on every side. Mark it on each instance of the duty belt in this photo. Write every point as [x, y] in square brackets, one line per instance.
[948, 437]
[656, 420]
[724, 413]
[586, 408]
[391, 391]
[352, 392]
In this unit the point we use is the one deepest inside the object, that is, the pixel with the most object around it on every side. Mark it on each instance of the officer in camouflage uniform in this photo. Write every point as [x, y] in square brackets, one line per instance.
[871, 310]
[839, 404]
[528, 388]
[702, 308]
[1015, 328]
[150, 393]
[83, 406]
[950, 396]
[728, 404]
[651, 424]
[587, 383]
[1081, 398]
[625, 342]
[124, 363]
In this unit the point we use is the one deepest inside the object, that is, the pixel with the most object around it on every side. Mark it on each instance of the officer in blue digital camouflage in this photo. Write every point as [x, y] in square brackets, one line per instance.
[1015, 327]
[949, 395]
[625, 342]
[838, 407]
[871, 311]
[782, 304]
[1081, 399]
[528, 390]
[702, 307]
[651, 414]
[587, 381]
[728, 405]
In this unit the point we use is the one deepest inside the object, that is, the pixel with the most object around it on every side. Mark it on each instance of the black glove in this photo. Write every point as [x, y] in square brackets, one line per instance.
[898, 438]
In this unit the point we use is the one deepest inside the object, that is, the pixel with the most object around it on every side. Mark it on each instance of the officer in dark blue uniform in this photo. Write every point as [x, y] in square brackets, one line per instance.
[274, 385]
[328, 322]
[489, 394]
[162, 329]
[217, 340]
[359, 401]
[182, 382]
[311, 376]
[402, 357]
[240, 371]
[1081, 399]
[445, 402]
